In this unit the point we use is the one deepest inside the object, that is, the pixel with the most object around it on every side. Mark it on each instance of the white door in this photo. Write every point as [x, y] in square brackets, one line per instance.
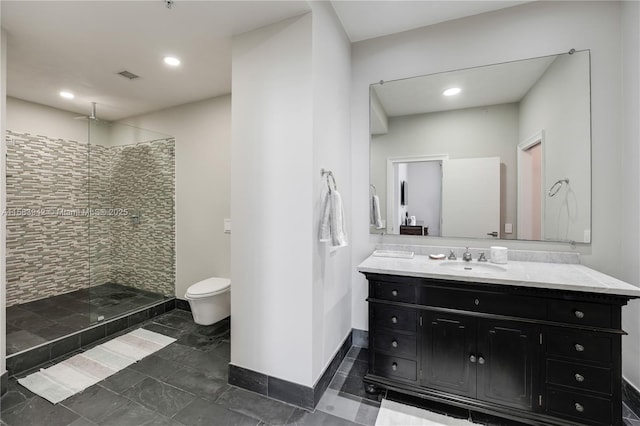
[471, 197]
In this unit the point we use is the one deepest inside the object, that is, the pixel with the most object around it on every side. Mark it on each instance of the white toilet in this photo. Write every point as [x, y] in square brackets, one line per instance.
[210, 300]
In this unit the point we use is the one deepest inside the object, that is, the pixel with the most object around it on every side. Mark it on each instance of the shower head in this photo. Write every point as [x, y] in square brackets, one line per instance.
[92, 116]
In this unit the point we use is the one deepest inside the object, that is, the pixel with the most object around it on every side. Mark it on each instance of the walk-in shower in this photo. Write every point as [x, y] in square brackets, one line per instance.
[90, 230]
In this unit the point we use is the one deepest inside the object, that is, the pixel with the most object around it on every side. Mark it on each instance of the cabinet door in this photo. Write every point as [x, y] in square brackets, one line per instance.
[508, 363]
[448, 343]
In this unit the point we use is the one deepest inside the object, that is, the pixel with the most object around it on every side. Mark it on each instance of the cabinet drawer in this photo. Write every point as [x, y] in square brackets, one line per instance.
[583, 313]
[391, 366]
[488, 302]
[586, 409]
[579, 376]
[396, 344]
[398, 292]
[582, 346]
[395, 318]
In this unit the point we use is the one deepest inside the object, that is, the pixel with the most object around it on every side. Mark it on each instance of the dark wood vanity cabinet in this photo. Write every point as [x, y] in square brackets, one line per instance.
[533, 355]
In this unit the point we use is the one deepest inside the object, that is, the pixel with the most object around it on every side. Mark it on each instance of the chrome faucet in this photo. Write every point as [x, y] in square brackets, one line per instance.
[452, 256]
[466, 256]
[482, 258]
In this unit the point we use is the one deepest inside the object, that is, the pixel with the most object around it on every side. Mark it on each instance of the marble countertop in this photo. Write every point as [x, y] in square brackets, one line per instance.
[559, 276]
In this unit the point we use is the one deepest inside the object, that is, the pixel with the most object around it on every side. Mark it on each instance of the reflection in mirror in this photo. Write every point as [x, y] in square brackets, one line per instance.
[498, 151]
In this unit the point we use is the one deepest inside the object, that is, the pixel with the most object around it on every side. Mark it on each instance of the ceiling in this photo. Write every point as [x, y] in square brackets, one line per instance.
[80, 46]
[482, 86]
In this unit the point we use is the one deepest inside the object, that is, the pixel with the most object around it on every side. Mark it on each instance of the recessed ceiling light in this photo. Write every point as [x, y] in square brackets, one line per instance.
[451, 91]
[67, 95]
[170, 60]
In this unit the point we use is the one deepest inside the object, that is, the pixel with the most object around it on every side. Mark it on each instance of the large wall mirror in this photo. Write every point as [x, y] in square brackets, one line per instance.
[499, 152]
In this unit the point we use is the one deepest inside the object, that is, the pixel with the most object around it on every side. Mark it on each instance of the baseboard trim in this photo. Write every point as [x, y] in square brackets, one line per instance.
[292, 393]
[4, 383]
[360, 338]
[631, 397]
[183, 305]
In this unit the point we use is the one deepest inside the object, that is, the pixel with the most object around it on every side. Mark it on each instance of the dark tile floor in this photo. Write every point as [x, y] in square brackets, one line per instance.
[31, 324]
[183, 384]
[186, 384]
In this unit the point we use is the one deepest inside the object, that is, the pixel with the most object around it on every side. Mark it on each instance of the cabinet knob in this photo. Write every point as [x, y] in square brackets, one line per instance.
[477, 302]
[579, 347]
[579, 407]
[480, 360]
[394, 293]
[579, 377]
[394, 343]
[578, 314]
[394, 320]
[472, 358]
[394, 366]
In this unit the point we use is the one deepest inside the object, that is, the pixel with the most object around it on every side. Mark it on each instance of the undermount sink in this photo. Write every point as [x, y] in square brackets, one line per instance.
[473, 266]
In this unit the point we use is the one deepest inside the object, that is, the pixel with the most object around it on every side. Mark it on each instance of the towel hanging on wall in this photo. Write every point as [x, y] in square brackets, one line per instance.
[332, 220]
[375, 219]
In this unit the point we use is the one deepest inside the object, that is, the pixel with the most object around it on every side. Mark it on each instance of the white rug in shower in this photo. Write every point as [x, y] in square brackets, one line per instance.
[77, 373]
[393, 414]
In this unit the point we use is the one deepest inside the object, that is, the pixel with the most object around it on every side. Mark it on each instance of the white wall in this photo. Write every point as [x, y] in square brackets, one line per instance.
[202, 131]
[530, 30]
[331, 150]
[272, 174]
[36, 119]
[490, 131]
[629, 262]
[559, 105]
[291, 296]
[3, 202]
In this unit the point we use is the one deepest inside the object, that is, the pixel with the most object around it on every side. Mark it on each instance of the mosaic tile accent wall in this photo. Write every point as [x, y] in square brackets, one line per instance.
[48, 229]
[99, 225]
[46, 249]
[143, 249]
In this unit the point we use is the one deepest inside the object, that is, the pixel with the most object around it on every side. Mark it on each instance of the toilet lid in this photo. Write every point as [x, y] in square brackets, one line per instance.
[209, 287]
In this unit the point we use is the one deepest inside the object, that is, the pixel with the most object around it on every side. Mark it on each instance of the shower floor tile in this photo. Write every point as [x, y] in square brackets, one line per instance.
[33, 323]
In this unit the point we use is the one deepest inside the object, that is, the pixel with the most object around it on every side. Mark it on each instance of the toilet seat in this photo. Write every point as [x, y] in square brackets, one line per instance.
[209, 287]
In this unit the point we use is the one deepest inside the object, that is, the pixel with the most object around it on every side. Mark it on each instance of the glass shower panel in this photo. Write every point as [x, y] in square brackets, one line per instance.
[131, 219]
[47, 286]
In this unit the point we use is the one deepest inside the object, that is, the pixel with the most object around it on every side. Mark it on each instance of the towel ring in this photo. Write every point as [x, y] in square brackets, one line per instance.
[557, 186]
[373, 187]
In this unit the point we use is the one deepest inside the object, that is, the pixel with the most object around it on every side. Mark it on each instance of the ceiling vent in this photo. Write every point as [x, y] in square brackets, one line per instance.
[128, 74]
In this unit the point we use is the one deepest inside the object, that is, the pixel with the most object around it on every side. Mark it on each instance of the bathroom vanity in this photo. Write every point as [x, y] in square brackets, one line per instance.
[539, 343]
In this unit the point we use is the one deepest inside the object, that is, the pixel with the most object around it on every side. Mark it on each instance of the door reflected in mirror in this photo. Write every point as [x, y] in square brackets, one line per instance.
[507, 155]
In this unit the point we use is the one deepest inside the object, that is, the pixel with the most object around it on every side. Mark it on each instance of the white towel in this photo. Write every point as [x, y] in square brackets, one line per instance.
[376, 219]
[332, 225]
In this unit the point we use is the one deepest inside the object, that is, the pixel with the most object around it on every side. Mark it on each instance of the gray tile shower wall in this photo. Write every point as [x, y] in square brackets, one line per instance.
[143, 249]
[45, 253]
[50, 185]
[99, 225]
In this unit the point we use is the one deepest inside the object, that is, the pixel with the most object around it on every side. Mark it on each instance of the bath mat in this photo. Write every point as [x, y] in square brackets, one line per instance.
[77, 373]
[393, 413]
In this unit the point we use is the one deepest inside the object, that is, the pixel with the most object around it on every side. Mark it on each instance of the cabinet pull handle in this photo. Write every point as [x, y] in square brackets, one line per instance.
[480, 360]
[579, 377]
[579, 347]
[394, 293]
[394, 319]
[578, 314]
[394, 343]
[579, 407]
[472, 358]
[394, 366]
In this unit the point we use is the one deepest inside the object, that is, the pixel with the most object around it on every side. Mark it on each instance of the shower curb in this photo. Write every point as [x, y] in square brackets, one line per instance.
[82, 339]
